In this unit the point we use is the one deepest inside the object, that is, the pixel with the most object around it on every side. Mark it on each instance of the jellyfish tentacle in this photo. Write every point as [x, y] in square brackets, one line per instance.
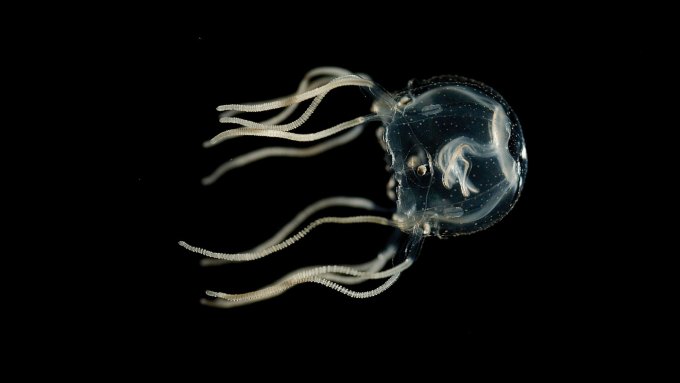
[347, 80]
[309, 274]
[305, 84]
[288, 135]
[223, 303]
[249, 127]
[302, 216]
[324, 275]
[278, 151]
[359, 294]
[328, 73]
[250, 256]
[285, 127]
[285, 113]
[370, 267]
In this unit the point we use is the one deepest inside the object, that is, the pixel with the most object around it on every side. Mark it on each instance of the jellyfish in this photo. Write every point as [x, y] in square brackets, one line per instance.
[455, 151]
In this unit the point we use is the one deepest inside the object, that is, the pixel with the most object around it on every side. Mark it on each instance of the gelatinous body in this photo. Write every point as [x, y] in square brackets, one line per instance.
[456, 151]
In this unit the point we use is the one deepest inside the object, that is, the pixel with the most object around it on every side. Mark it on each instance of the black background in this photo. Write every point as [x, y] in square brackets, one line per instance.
[501, 289]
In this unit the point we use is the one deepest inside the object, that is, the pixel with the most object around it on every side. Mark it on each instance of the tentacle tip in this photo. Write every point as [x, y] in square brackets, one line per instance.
[183, 244]
[206, 181]
[211, 293]
[208, 144]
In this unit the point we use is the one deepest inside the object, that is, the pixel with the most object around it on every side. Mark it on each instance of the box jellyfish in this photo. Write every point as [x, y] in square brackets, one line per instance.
[454, 147]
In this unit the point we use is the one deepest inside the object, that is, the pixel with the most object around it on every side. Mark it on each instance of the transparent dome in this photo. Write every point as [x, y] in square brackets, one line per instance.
[458, 155]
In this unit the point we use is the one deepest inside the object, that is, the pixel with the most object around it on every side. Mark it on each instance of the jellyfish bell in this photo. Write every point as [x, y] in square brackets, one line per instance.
[457, 154]
[454, 147]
